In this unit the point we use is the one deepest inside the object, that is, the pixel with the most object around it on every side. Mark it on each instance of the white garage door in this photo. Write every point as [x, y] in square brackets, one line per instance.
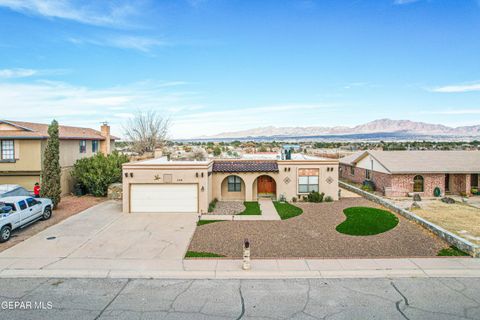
[163, 198]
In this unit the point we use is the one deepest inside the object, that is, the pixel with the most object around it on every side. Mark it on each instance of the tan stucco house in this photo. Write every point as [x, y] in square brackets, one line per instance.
[159, 185]
[400, 173]
[22, 145]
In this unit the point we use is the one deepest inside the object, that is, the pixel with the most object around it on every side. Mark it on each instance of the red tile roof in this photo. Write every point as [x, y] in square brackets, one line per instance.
[245, 166]
[30, 130]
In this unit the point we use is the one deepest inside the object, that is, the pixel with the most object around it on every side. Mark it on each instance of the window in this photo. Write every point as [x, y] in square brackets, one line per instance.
[234, 184]
[307, 180]
[31, 202]
[83, 146]
[418, 184]
[352, 170]
[474, 180]
[94, 146]
[8, 150]
[22, 205]
[368, 174]
[11, 205]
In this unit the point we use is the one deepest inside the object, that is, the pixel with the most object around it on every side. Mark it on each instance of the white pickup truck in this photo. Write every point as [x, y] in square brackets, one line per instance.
[20, 211]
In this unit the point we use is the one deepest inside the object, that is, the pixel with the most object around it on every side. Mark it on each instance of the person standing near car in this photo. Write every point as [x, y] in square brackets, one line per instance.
[36, 190]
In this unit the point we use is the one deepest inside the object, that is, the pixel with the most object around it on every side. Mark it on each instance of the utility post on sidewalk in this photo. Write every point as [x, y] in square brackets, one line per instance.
[246, 255]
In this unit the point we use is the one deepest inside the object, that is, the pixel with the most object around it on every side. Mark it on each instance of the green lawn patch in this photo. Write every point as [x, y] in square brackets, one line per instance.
[366, 221]
[197, 254]
[452, 251]
[286, 210]
[202, 222]
[252, 208]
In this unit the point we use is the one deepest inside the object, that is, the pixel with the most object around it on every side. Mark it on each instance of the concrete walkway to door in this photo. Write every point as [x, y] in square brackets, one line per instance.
[266, 205]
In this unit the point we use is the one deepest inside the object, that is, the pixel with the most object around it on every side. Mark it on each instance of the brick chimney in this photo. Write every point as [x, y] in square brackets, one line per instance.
[105, 146]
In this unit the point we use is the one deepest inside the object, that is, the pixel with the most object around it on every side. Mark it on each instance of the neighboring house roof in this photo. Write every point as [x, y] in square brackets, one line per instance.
[422, 161]
[245, 166]
[30, 130]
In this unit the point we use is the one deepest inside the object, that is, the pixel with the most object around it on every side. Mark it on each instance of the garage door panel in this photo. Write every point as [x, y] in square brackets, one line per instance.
[164, 198]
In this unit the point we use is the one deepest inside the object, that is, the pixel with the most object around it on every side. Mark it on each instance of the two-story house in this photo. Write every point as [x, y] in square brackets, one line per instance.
[22, 146]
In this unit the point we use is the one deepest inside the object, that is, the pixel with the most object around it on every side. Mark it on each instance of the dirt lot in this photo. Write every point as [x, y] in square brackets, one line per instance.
[69, 206]
[313, 234]
[458, 218]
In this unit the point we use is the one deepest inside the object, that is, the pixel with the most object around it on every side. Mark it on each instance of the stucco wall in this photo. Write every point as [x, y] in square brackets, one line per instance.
[286, 180]
[28, 157]
[70, 152]
[28, 182]
[156, 174]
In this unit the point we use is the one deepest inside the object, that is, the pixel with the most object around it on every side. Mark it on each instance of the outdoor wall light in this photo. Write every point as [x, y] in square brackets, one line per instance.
[202, 174]
[131, 174]
[126, 174]
[196, 174]
[202, 189]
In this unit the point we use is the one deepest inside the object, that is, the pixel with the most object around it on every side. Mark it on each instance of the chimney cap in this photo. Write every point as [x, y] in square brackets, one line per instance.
[104, 123]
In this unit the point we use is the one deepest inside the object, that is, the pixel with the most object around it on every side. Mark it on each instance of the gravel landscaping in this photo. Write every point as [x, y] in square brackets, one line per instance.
[228, 207]
[313, 234]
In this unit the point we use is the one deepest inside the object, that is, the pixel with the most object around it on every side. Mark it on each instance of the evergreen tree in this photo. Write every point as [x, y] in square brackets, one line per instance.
[51, 166]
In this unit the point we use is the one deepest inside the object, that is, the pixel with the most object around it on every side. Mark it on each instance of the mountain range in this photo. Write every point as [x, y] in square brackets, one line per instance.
[384, 126]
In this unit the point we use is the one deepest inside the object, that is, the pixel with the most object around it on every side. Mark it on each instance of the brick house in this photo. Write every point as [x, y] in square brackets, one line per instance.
[398, 173]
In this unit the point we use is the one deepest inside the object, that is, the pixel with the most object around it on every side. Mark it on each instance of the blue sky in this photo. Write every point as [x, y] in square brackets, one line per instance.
[218, 65]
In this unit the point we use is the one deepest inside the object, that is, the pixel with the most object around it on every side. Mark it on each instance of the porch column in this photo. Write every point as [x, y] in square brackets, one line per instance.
[249, 188]
[468, 184]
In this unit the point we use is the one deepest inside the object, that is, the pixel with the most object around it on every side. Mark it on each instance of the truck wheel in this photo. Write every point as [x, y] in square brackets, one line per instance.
[5, 233]
[47, 213]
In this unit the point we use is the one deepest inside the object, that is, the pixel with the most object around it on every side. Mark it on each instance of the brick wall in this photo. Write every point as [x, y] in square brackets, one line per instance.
[381, 180]
[357, 177]
[403, 183]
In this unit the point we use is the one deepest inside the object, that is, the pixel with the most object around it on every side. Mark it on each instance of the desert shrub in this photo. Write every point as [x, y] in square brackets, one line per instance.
[367, 188]
[474, 191]
[212, 205]
[314, 196]
[368, 185]
[98, 172]
[294, 199]
[328, 199]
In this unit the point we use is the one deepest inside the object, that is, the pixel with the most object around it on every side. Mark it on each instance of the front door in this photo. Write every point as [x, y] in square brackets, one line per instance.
[266, 185]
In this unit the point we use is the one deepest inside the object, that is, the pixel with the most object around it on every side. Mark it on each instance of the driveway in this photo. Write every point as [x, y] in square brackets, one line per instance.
[104, 238]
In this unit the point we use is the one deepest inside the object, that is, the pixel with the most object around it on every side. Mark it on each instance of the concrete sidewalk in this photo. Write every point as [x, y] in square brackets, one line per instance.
[231, 269]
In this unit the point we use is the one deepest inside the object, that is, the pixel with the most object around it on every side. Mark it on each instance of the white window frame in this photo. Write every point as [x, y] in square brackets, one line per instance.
[12, 150]
[307, 184]
[97, 144]
[83, 146]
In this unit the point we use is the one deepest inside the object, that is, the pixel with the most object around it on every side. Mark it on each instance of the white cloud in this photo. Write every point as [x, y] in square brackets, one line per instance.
[400, 2]
[42, 101]
[141, 43]
[458, 88]
[102, 13]
[16, 73]
[453, 112]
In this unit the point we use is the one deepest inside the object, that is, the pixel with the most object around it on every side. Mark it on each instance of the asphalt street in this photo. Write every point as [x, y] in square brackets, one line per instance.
[404, 298]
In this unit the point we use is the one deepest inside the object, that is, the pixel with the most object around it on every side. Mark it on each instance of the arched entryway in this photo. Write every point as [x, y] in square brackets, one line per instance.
[233, 188]
[265, 187]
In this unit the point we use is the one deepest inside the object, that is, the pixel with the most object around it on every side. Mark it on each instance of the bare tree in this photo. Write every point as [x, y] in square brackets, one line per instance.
[198, 154]
[147, 131]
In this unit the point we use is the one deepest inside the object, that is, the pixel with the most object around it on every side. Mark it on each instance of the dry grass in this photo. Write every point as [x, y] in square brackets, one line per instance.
[458, 218]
